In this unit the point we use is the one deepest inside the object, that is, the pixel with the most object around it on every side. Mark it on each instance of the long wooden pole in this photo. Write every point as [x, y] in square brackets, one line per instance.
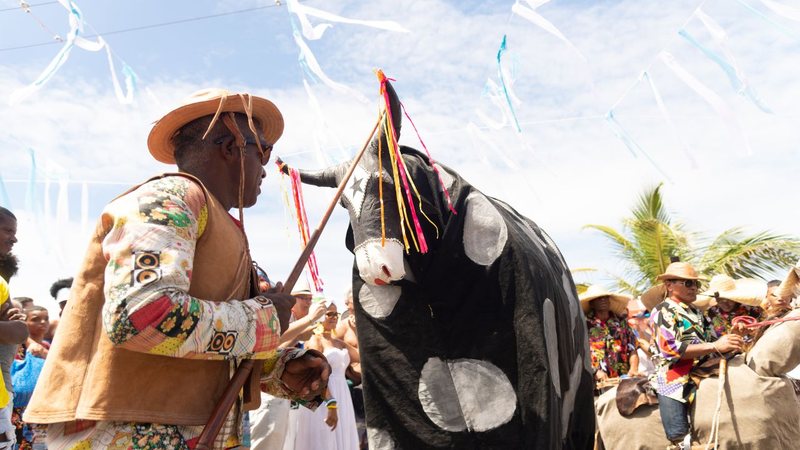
[231, 393]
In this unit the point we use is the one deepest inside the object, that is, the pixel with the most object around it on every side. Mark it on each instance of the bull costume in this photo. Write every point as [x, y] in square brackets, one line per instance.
[477, 343]
[165, 302]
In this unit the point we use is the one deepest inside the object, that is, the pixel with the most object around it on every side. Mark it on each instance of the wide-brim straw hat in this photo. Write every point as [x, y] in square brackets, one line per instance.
[618, 303]
[658, 293]
[790, 287]
[679, 271]
[207, 103]
[746, 291]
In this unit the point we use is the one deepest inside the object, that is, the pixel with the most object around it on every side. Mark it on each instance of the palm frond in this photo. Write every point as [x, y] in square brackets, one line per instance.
[752, 256]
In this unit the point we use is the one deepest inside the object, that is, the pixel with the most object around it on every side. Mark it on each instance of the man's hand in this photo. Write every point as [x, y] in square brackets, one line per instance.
[283, 304]
[729, 343]
[332, 419]
[316, 312]
[307, 376]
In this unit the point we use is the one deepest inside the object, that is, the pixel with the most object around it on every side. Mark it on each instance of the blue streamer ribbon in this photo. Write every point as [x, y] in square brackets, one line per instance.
[500, 52]
[739, 85]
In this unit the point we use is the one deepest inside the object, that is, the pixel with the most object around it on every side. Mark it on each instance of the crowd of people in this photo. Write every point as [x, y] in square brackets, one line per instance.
[676, 331]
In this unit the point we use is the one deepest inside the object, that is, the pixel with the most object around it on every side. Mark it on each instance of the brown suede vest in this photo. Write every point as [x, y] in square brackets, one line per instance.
[86, 377]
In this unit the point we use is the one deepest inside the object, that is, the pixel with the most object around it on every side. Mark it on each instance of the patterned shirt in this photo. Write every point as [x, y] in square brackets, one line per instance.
[676, 326]
[149, 310]
[611, 343]
[721, 320]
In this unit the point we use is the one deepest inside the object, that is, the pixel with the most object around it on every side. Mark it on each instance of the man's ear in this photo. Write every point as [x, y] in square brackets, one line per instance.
[227, 149]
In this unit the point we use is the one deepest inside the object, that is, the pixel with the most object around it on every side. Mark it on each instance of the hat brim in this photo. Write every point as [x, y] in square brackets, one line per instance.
[618, 303]
[747, 292]
[653, 296]
[671, 276]
[789, 286]
[159, 142]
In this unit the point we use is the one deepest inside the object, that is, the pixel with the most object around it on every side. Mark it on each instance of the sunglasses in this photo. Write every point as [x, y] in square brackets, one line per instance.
[688, 283]
[264, 150]
[332, 314]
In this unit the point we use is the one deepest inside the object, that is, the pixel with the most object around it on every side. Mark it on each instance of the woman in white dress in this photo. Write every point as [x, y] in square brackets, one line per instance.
[332, 426]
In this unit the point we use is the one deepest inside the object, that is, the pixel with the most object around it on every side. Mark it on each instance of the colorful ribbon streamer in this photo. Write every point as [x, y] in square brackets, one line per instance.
[720, 106]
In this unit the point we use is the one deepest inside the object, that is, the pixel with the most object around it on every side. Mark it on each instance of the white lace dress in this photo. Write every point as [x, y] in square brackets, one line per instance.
[311, 432]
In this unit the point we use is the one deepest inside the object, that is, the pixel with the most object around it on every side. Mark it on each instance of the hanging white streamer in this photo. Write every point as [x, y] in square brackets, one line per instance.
[496, 97]
[727, 62]
[62, 204]
[315, 106]
[84, 205]
[668, 118]
[313, 33]
[720, 106]
[476, 133]
[541, 22]
[630, 143]
[307, 57]
[790, 12]
[74, 39]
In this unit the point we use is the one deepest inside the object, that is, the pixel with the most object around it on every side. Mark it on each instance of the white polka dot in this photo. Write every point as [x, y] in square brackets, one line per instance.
[380, 439]
[573, 304]
[485, 231]
[466, 394]
[379, 301]
[551, 342]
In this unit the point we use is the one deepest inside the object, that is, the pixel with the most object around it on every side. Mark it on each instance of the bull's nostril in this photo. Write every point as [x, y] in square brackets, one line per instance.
[386, 271]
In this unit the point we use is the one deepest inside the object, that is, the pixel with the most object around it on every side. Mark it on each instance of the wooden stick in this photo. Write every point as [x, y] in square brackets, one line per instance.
[231, 393]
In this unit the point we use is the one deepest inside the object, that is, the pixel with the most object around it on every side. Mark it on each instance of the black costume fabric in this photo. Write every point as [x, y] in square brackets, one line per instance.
[457, 311]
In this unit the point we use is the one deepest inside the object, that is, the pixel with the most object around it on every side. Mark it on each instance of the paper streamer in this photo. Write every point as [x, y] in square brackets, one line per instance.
[789, 12]
[500, 52]
[479, 135]
[313, 102]
[307, 58]
[668, 118]
[631, 144]
[726, 61]
[74, 39]
[313, 33]
[4, 195]
[493, 92]
[62, 203]
[778, 26]
[535, 18]
[720, 106]
[84, 205]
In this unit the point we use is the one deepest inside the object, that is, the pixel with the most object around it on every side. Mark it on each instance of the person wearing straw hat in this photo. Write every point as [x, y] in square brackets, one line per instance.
[684, 338]
[168, 299]
[733, 298]
[611, 341]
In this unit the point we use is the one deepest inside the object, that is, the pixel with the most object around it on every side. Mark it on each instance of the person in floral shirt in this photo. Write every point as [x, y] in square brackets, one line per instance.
[612, 344]
[684, 338]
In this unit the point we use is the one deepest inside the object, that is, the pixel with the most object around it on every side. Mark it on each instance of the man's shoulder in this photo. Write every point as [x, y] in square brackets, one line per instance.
[165, 190]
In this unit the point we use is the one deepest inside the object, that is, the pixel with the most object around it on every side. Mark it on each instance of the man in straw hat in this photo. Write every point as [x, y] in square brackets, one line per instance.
[733, 298]
[611, 341]
[683, 338]
[167, 298]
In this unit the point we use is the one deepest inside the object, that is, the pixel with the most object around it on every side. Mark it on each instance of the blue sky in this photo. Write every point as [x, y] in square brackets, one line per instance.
[566, 167]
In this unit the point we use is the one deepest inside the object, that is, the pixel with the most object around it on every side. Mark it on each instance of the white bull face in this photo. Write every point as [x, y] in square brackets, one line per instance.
[380, 264]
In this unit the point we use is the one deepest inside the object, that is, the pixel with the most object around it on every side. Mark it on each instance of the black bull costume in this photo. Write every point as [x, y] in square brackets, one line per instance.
[480, 343]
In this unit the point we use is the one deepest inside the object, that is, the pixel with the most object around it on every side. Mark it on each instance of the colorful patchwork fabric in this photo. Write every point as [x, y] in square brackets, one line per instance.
[721, 320]
[611, 342]
[150, 252]
[677, 325]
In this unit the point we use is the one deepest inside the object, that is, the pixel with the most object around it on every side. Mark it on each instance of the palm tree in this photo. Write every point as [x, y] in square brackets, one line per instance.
[650, 238]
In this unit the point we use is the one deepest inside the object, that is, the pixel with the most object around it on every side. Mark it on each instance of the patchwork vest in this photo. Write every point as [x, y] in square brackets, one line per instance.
[86, 377]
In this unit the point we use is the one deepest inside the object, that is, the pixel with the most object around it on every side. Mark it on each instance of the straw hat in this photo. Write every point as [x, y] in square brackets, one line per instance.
[679, 271]
[746, 291]
[790, 287]
[653, 296]
[301, 287]
[618, 302]
[207, 103]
